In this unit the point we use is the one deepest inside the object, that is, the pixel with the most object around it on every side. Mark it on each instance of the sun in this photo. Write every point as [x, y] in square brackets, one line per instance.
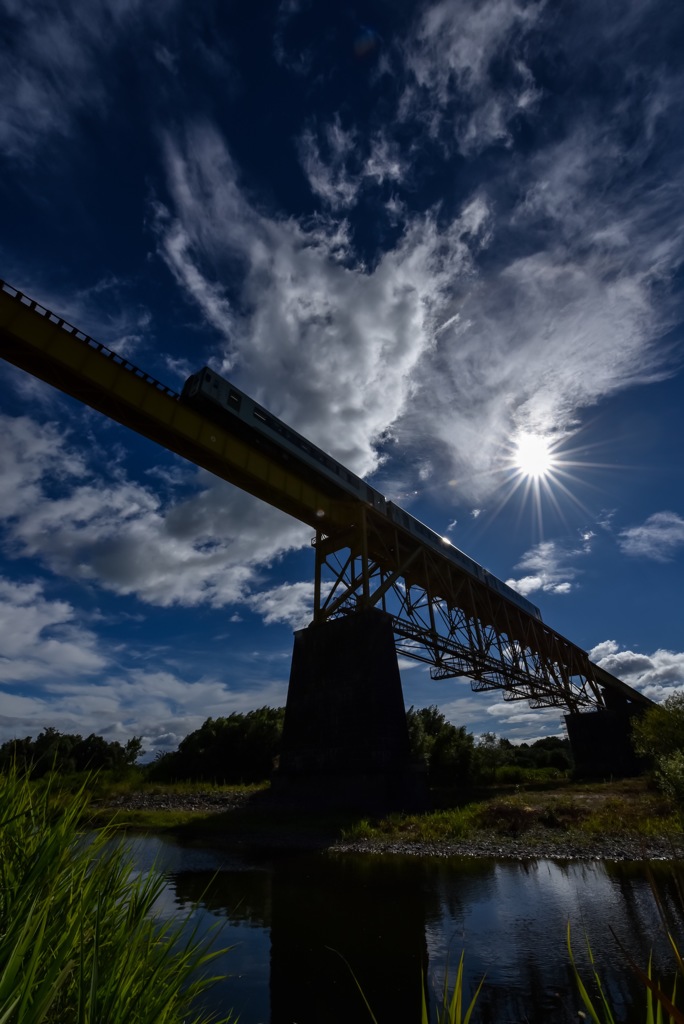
[545, 471]
[533, 456]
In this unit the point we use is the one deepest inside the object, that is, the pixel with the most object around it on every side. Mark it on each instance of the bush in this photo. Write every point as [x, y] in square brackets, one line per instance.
[660, 730]
[670, 775]
[658, 734]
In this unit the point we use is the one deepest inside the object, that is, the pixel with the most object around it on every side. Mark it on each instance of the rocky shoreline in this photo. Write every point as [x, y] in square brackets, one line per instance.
[527, 847]
[532, 844]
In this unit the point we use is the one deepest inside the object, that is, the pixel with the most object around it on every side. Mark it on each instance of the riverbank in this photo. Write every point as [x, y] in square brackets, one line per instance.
[618, 821]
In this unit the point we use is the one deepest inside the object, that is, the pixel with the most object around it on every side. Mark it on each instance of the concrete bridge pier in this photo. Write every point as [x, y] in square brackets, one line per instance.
[601, 741]
[345, 740]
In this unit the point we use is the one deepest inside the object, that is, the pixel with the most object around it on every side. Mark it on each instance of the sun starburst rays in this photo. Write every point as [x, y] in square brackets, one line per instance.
[543, 472]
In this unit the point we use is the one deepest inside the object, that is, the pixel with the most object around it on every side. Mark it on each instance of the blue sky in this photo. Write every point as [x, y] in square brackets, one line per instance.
[415, 232]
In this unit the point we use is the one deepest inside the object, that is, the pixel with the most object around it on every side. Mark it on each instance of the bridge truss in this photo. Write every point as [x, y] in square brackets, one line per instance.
[449, 620]
[441, 615]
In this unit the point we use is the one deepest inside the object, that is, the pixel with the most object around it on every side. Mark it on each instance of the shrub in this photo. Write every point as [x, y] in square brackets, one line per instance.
[670, 775]
[659, 735]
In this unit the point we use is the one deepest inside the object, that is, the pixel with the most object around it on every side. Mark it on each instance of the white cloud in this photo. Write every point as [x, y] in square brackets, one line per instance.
[603, 650]
[659, 538]
[426, 342]
[549, 570]
[449, 56]
[512, 716]
[422, 339]
[329, 178]
[55, 671]
[160, 706]
[41, 638]
[208, 549]
[291, 603]
[359, 333]
[656, 675]
[339, 163]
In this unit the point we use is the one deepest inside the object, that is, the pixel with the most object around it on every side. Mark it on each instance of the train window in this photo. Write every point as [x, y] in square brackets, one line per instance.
[259, 414]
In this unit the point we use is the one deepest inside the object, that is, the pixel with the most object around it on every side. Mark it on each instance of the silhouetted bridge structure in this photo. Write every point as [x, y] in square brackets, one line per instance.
[383, 583]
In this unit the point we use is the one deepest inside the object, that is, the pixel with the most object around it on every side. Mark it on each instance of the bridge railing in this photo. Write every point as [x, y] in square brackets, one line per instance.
[64, 325]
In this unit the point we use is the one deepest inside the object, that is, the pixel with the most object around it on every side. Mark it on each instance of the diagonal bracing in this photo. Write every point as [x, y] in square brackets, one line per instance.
[449, 620]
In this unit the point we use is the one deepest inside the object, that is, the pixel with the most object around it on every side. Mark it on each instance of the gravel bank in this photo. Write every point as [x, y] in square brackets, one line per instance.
[533, 844]
[528, 846]
[201, 800]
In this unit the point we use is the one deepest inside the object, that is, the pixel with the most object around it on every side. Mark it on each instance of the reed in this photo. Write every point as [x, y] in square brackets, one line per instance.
[450, 1009]
[79, 940]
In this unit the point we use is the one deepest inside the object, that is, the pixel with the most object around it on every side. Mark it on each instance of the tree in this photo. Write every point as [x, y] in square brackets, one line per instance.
[239, 748]
[446, 749]
[64, 753]
[658, 734]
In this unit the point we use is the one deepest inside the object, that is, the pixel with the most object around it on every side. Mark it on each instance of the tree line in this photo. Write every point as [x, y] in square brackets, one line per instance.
[244, 748]
[67, 753]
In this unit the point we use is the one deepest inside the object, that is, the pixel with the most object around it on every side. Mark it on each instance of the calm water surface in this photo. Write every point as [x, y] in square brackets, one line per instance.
[291, 920]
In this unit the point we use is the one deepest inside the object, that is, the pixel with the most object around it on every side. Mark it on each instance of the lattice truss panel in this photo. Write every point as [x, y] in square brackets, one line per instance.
[448, 619]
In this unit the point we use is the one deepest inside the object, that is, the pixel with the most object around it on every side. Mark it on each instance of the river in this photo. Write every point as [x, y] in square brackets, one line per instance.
[299, 924]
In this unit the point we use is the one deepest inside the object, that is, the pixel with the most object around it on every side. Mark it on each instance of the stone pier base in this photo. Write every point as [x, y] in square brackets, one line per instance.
[601, 742]
[345, 739]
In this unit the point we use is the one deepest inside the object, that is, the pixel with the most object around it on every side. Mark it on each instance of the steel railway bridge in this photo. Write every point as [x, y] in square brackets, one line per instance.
[366, 566]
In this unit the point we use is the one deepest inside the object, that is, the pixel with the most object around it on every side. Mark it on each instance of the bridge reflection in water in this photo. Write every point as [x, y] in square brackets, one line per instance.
[289, 917]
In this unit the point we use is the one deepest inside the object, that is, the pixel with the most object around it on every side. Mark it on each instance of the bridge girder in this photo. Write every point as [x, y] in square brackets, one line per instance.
[449, 620]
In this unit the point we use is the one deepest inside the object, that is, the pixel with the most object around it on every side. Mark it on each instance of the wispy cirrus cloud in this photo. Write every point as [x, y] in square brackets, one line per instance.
[360, 333]
[340, 163]
[449, 60]
[514, 304]
[51, 67]
[660, 537]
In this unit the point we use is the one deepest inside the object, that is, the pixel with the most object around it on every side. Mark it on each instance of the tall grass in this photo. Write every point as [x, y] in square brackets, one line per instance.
[78, 938]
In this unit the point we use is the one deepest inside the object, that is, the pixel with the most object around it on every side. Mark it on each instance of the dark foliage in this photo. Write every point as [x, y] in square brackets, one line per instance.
[65, 753]
[243, 748]
[239, 748]
[496, 758]
[446, 749]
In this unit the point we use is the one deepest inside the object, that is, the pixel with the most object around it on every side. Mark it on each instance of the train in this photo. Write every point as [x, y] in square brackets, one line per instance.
[218, 399]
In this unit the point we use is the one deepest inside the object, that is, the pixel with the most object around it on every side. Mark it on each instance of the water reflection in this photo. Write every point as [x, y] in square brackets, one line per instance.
[291, 917]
